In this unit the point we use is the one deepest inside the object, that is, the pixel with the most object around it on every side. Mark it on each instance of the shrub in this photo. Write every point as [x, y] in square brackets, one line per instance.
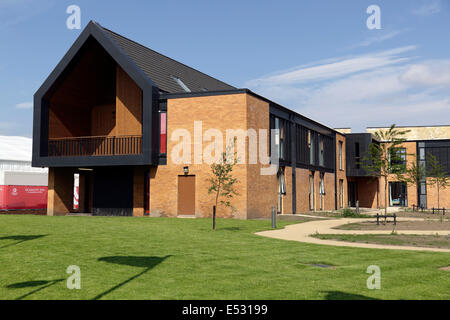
[349, 213]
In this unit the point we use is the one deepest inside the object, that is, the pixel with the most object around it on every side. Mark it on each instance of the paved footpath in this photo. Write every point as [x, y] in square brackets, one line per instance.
[302, 231]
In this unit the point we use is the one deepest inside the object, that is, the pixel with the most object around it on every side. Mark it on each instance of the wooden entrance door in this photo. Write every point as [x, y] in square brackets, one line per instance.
[186, 195]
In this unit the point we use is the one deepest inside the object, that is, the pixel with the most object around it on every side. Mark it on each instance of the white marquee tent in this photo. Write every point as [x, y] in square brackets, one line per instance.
[15, 163]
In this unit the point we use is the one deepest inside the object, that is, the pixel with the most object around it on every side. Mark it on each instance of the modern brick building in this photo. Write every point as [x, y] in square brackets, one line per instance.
[121, 116]
[421, 141]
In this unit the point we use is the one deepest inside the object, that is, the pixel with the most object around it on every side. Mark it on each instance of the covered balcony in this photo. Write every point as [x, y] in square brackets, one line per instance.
[95, 146]
[95, 109]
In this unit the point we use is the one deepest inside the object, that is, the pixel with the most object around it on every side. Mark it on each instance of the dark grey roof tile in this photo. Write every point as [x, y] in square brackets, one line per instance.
[161, 69]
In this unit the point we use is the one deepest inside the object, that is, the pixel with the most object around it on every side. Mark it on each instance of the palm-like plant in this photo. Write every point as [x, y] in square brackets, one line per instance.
[384, 158]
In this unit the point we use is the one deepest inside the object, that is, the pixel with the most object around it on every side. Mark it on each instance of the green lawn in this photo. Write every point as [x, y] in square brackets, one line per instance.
[163, 258]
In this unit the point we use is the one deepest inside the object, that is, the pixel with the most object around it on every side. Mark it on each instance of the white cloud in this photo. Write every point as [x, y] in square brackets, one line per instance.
[335, 68]
[378, 38]
[24, 105]
[429, 8]
[434, 73]
[344, 92]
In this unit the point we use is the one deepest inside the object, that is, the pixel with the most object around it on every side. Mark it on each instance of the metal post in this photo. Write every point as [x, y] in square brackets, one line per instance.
[378, 219]
[214, 217]
[274, 218]
[395, 219]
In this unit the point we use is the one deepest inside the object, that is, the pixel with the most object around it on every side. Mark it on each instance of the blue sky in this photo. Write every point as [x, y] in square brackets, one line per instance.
[316, 57]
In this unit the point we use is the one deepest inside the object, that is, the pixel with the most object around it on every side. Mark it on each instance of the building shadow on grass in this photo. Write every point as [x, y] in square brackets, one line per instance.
[147, 263]
[41, 284]
[339, 295]
[19, 239]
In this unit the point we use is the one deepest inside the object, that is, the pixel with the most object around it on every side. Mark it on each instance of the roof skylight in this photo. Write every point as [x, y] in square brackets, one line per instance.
[181, 84]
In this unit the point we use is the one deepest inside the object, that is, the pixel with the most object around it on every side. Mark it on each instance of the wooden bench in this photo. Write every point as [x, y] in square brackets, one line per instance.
[385, 218]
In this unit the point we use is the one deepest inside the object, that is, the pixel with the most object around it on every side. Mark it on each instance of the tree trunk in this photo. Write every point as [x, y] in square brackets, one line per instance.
[437, 184]
[385, 195]
[217, 195]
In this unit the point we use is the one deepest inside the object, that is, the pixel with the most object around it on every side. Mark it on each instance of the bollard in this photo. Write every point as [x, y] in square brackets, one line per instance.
[274, 218]
[357, 206]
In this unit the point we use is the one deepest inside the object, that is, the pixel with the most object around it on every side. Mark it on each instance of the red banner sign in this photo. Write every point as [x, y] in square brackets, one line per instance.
[23, 197]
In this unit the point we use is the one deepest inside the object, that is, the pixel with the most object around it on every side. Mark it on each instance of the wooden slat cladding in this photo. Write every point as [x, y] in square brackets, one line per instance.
[95, 146]
[83, 101]
[128, 105]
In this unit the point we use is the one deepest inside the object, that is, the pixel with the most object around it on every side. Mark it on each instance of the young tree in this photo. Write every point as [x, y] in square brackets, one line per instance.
[437, 173]
[384, 158]
[222, 183]
[415, 173]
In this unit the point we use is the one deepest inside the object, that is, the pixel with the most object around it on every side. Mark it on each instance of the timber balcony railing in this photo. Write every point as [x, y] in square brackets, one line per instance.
[95, 146]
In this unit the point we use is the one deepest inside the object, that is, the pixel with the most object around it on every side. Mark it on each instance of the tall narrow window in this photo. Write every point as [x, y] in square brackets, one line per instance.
[422, 154]
[312, 149]
[281, 189]
[340, 155]
[357, 156]
[163, 132]
[311, 192]
[309, 139]
[322, 190]
[321, 150]
[341, 193]
[280, 138]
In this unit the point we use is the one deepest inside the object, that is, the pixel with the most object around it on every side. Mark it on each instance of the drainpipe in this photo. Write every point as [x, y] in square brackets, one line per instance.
[294, 163]
[335, 173]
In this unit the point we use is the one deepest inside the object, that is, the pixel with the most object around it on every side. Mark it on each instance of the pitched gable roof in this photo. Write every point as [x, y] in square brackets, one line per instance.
[163, 70]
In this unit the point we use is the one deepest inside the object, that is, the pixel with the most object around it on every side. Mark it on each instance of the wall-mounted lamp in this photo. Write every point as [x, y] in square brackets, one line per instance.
[186, 170]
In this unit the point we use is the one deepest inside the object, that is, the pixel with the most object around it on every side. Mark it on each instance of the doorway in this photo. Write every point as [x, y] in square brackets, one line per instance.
[398, 194]
[186, 195]
[82, 191]
[113, 191]
[352, 194]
